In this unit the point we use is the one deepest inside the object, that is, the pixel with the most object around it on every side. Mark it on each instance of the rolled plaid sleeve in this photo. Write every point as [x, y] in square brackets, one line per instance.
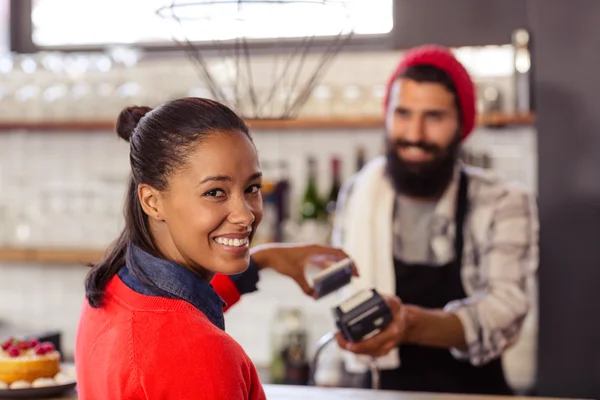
[493, 314]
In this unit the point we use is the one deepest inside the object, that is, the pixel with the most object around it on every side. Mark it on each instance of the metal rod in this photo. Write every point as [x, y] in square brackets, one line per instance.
[375, 376]
[321, 344]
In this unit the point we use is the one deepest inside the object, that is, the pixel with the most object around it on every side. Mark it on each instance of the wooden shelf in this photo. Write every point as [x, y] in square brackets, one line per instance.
[76, 257]
[496, 119]
[55, 126]
[501, 119]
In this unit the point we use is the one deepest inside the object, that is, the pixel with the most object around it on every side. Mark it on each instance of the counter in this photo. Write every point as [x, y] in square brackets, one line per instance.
[276, 392]
[282, 392]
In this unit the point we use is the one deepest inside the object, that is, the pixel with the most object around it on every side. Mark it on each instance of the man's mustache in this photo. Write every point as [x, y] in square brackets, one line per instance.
[404, 144]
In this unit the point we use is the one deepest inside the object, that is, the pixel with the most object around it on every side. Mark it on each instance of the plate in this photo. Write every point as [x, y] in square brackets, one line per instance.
[29, 393]
[66, 389]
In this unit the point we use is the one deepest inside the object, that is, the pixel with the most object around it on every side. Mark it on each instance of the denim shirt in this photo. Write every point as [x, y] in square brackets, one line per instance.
[171, 280]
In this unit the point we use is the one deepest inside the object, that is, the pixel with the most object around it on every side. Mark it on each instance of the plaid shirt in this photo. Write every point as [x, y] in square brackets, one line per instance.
[500, 259]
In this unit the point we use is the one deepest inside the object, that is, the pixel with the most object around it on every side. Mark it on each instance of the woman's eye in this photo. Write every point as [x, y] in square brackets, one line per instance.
[254, 189]
[215, 193]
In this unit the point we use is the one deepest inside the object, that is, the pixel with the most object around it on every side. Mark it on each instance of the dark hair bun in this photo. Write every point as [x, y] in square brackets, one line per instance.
[128, 120]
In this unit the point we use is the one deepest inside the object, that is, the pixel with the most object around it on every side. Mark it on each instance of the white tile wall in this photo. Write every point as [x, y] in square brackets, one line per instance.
[353, 83]
[37, 298]
[66, 189]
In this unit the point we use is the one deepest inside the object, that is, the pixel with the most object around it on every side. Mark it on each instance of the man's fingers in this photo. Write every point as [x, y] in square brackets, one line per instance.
[378, 350]
[380, 344]
[303, 283]
[393, 303]
[374, 344]
[363, 347]
[385, 349]
[340, 340]
[327, 255]
[334, 251]
[322, 260]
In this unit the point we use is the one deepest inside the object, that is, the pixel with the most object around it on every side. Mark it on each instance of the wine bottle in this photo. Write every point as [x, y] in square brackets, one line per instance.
[296, 363]
[360, 158]
[282, 192]
[335, 186]
[267, 231]
[311, 207]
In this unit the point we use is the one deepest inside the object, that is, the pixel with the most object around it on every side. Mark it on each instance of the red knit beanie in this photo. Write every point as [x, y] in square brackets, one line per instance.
[443, 59]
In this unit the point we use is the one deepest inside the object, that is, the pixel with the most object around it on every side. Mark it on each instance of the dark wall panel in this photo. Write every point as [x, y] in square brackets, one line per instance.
[457, 22]
[566, 39]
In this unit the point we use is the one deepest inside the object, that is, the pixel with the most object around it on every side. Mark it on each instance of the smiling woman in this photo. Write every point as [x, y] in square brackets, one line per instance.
[194, 178]
[206, 218]
[152, 325]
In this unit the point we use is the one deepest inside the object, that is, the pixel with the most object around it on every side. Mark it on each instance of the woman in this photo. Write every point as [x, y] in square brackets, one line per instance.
[152, 324]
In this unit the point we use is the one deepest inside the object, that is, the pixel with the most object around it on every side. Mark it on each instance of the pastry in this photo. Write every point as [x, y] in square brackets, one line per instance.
[27, 360]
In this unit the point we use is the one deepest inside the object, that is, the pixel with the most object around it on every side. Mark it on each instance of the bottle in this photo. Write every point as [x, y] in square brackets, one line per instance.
[360, 158]
[296, 362]
[266, 233]
[311, 207]
[288, 348]
[279, 331]
[268, 225]
[282, 201]
[522, 72]
[487, 160]
[335, 186]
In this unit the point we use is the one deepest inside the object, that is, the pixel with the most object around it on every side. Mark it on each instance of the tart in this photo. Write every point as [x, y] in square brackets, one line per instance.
[27, 361]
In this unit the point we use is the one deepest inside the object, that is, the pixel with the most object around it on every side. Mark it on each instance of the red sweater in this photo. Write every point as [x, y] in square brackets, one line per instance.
[143, 347]
[226, 289]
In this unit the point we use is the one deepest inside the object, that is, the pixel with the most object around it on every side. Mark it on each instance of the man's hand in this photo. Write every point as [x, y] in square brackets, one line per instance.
[292, 259]
[433, 328]
[382, 343]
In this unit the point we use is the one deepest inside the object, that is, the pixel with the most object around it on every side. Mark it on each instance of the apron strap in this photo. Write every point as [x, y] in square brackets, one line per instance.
[462, 206]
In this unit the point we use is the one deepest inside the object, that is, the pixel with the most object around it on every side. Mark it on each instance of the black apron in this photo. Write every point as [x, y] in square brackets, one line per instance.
[432, 369]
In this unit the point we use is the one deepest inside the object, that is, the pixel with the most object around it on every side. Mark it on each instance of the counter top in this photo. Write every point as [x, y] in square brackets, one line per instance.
[279, 392]
[283, 392]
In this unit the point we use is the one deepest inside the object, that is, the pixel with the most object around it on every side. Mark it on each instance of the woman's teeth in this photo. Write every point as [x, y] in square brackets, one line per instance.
[232, 242]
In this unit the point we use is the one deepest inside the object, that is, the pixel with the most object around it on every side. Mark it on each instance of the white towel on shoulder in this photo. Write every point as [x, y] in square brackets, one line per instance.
[367, 219]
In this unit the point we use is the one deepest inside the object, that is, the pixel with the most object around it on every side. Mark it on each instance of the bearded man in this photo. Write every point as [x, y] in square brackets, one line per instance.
[454, 248]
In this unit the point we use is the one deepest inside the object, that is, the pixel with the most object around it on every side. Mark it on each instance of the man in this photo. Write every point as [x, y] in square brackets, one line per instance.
[456, 245]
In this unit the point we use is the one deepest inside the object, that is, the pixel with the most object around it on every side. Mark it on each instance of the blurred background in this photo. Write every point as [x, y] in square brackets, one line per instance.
[310, 80]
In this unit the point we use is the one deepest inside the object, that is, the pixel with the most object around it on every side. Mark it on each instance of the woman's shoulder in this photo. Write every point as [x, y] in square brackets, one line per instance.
[184, 332]
[194, 355]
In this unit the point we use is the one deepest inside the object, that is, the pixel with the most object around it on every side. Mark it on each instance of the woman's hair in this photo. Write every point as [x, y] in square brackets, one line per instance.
[159, 142]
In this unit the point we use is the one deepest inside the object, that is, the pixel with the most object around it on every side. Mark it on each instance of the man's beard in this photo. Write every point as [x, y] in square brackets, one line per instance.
[426, 179]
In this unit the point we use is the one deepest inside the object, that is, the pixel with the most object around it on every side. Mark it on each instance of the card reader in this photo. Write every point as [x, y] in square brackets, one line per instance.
[362, 316]
[333, 278]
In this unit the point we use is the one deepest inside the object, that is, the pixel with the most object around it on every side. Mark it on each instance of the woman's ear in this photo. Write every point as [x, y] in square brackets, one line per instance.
[151, 201]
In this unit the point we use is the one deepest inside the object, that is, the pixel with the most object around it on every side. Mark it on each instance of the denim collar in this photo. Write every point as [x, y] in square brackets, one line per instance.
[152, 276]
